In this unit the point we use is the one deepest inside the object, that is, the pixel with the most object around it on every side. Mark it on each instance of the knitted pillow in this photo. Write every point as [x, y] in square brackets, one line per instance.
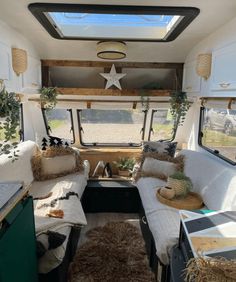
[162, 147]
[55, 162]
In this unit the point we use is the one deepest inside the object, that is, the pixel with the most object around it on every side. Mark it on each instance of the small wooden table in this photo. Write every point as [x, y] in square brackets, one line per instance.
[212, 233]
[207, 233]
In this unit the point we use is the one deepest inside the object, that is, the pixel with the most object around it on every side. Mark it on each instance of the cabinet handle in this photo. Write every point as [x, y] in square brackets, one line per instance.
[144, 220]
[224, 85]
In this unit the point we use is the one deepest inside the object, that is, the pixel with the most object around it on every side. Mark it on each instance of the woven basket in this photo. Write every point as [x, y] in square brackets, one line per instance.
[19, 60]
[203, 67]
[180, 186]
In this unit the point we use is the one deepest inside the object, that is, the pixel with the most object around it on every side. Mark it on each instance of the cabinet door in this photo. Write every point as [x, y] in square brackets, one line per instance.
[224, 69]
[191, 81]
[18, 245]
[31, 79]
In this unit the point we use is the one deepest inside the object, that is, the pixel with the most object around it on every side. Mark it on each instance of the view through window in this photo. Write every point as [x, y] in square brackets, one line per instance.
[218, 130]
[162, 125]
[123, 127]
[59, 123]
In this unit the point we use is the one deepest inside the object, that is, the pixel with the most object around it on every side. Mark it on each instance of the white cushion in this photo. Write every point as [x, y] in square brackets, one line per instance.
[19, 170]
[165, 226]
[154, 166]
[58, 164]
[213, 178]
[75, 182]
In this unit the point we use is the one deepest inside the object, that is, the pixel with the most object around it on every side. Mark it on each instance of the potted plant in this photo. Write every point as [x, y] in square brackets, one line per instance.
[180, 183]
[179, 105]
[48, 97]
[9, 121]
[125, 166]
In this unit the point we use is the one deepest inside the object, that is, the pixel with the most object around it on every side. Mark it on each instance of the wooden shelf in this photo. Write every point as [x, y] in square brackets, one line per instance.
[112, 92]
[114, 177]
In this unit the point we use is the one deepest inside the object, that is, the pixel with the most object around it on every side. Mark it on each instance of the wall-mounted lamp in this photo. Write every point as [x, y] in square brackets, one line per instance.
[19, 60]
[111, 50]
[203, 67]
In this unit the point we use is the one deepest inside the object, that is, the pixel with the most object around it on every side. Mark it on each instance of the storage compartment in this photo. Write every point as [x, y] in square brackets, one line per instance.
[224, 69]
[110, 196]
[18, 245]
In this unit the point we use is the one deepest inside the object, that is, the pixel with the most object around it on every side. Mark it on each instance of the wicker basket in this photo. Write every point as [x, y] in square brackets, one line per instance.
[19, 60]
[180, 186]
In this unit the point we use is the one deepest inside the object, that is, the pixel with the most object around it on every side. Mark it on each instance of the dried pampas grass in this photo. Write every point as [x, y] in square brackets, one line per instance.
[217, 269]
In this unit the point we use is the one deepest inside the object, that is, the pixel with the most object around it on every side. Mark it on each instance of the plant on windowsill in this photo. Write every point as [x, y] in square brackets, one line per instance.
[179, 105]
[125, 166]
[9, 121]
[48, 97]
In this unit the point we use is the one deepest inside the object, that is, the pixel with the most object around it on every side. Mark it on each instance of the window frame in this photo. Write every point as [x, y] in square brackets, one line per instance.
[200, 135]
[38, 10]
[129, 145]
[48, 129]
[21, 130]
[151, 129]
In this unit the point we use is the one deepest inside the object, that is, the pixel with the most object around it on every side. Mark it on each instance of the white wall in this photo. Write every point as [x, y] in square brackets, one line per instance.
[23, 83]
[221, 38]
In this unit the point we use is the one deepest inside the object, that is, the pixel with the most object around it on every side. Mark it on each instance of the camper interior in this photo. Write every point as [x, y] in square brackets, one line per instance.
[117, 141]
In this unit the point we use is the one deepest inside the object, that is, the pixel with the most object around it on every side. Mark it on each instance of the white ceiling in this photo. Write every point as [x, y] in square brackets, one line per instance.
[213, 14]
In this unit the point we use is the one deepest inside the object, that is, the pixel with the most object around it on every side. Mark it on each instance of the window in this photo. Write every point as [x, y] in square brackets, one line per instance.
[19, 131]
[110, 22]
[59, 123]
[162, 125]
[218, 132]
[111, 127]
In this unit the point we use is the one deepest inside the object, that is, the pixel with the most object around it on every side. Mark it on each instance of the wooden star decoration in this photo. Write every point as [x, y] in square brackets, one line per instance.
[113, 77]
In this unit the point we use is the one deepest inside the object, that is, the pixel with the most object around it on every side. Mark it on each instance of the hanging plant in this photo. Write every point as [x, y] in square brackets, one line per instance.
[48, 97]
[179, 105]
[10, 115]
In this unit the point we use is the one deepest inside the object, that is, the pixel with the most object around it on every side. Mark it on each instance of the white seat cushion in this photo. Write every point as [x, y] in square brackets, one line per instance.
[19, 170]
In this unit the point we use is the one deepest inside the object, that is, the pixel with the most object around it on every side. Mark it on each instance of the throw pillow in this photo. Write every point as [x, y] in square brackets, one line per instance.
[55, 162]
[177, 161]
[45, 142]
[58, 164]
[154, 167]
[163, 147]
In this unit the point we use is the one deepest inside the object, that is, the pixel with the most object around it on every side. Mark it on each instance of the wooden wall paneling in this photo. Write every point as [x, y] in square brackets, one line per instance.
[107, 155]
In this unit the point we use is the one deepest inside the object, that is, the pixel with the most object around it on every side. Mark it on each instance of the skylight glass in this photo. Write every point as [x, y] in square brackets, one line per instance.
[107, 26]
[112, 22]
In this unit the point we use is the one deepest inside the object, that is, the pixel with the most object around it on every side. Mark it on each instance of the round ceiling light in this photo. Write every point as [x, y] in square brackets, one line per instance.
[111, 50]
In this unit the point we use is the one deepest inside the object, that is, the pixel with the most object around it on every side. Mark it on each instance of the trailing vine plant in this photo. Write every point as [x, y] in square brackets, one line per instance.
[179, 105]
[9, 121]
[48, 97]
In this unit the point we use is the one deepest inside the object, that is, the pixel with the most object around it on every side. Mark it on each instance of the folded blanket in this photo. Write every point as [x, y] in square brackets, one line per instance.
[57, 208]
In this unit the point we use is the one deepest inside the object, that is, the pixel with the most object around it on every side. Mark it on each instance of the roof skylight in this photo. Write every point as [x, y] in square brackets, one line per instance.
[99, 22]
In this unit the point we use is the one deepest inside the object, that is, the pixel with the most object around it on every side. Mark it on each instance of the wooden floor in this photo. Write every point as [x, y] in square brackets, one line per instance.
[100, 219]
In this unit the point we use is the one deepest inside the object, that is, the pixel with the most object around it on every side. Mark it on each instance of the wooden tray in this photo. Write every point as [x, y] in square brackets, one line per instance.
[191, 202]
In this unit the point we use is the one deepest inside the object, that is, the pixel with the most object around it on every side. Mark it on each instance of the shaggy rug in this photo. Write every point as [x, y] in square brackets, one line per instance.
[113, 253]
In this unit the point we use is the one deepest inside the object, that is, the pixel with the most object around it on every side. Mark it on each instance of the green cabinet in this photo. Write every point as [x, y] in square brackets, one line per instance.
[18, 261]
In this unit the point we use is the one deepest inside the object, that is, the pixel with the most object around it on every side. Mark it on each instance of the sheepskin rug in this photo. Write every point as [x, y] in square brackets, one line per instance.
[113, 253]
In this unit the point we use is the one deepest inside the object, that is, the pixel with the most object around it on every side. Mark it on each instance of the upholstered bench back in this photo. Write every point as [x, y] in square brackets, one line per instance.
[19, 170]
[213, 178]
